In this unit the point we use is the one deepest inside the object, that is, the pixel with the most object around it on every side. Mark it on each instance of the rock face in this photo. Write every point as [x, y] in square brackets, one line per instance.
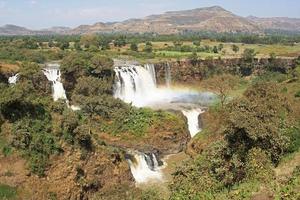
[189, 72]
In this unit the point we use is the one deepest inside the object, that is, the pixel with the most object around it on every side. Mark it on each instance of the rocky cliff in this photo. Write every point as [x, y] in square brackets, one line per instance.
[189, 72]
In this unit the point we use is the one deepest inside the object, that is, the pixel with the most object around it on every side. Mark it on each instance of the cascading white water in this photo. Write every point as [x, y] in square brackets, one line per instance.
[151, 69]
[193, 120]
[53, 75]
[145, 167]
[137, 85]
[168, 75]
[134, 84]
[13, 79]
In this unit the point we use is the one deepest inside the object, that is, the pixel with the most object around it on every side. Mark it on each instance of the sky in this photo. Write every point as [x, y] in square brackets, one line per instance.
[37, 14]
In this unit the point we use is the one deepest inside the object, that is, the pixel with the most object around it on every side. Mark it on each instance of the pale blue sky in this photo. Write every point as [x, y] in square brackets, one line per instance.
[47, 13]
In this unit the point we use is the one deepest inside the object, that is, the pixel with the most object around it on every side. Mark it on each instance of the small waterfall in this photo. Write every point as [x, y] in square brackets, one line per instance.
[13, 79]
[151, 69]
[53, 75]
[168, 75]
[193, 120]
[145, 167]
[135, 83]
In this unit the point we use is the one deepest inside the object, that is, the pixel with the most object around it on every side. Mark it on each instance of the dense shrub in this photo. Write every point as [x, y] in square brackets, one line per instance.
[34, 139]
[259, 120]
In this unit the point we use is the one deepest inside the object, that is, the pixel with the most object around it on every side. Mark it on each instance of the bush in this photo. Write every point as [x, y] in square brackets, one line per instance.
[90, 86]
[294, 134]
[258, 166]
[258, 120]
[297, 95]
[83, 137]
[151, 194]
[34, 139]
[290, 190]
[249, 55]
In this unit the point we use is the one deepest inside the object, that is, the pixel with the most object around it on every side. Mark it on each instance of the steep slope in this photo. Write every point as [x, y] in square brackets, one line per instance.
[209, 19]
[13, 30]
[277, 23]
[10, 29]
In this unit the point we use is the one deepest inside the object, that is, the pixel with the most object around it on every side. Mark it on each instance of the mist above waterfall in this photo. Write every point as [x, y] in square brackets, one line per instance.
[137, 85]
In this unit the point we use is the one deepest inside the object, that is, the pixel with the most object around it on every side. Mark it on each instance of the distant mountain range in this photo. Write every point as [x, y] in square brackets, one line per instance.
[215, 19]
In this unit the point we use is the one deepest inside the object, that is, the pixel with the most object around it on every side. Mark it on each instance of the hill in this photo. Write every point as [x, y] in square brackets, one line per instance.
[215, 19]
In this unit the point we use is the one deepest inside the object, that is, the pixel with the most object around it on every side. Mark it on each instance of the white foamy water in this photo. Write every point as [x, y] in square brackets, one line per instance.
[193, 120]
[13, 79]
[137, 85]
[53, 75]
[168, 75]
[145, 168]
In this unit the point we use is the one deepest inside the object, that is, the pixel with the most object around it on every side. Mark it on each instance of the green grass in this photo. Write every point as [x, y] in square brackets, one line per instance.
[7, 192]
[179, 54]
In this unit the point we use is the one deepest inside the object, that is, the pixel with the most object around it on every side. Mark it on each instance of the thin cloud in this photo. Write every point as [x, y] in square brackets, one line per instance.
[33, 2]
[2, 4]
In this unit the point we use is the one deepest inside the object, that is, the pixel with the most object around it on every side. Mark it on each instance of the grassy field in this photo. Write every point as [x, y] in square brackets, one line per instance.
[262, 50]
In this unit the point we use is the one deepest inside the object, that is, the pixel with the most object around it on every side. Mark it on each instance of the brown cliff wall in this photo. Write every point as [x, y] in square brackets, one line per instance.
[188, 71]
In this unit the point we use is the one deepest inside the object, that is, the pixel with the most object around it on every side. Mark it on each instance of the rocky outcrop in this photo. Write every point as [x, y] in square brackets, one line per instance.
[187, 71]
[69, 176]
[163, 138]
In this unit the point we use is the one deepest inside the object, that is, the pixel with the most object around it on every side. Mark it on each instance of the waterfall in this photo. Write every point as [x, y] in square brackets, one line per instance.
[145, 167]
[193, 120]
[151, 69]
[135, 84]
[53, 75]
[13, 79]
[168, 75]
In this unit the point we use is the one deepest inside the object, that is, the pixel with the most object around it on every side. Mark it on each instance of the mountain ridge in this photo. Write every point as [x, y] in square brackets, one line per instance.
[215, 19]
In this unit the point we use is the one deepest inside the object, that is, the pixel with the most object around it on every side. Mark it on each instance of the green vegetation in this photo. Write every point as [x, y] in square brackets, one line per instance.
[246, 137]
[239, 156]
[7, 192]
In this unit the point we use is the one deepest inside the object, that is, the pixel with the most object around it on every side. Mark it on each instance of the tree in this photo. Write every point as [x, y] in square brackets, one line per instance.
[51, 44]
[260, 119]
[120, 41]
[235, 48]
[64, 45]
[148, 48]
[134, 47]
[177, 43]
[197, 43]
[220, 47]
[215, 49]
[193, 58]
[77, 46]
[249, 55]
[102, 67]
[222, 85]
[89, 40]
